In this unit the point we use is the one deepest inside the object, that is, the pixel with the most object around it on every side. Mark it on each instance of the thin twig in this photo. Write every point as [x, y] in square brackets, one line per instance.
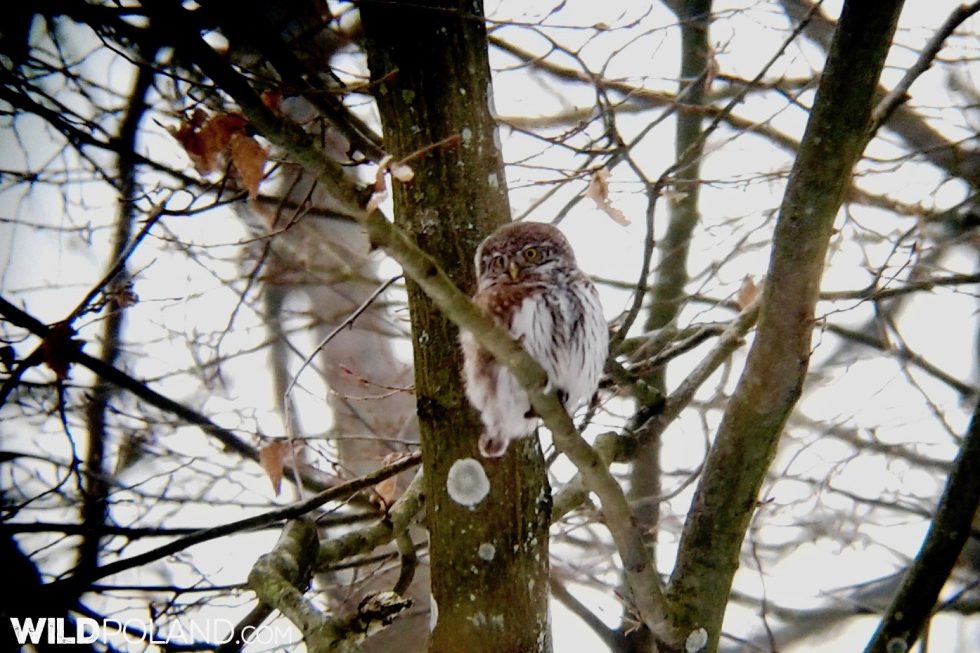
[913, 605]
[887, 106]
[292, 511]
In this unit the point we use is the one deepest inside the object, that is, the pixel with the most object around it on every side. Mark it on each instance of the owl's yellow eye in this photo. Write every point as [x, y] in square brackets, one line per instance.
[531, 254]
[498, 262]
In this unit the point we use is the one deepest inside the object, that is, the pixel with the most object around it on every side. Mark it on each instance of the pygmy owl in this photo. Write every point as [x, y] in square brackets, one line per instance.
[528, 282]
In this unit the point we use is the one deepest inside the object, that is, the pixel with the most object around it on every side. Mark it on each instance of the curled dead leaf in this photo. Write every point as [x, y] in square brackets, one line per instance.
[747, 292]
[598, 192]
[248, 158]
[211, 141]
[59, 349]
[272, 457]
[387, 490]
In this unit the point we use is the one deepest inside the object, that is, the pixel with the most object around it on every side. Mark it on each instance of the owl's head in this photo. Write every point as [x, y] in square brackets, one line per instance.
[522, 251]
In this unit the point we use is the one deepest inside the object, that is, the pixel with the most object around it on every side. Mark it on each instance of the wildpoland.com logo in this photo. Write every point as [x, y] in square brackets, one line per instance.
[83, 630]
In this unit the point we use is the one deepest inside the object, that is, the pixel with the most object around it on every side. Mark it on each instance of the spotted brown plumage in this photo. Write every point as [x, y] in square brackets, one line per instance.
[529, 283]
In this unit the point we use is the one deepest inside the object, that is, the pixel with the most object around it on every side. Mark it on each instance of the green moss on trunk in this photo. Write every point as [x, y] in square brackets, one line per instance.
[489, 562]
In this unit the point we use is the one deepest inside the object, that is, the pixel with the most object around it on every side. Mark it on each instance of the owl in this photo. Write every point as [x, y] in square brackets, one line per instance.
[528, 282]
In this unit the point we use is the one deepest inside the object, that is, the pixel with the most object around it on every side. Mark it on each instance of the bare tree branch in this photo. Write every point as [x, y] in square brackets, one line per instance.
[912, 607]
[776, 366]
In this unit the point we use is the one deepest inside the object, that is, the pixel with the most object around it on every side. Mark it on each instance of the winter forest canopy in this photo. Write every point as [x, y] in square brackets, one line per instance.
[236, 245]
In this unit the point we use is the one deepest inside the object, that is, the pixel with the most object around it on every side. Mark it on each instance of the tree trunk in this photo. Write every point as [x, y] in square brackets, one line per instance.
[773, 378]
[489, 561]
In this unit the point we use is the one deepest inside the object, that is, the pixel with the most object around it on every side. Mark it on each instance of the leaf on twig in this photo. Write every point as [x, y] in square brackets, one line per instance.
[248, 157]
[598, 192]
[272, 457]
[211, 141]
[747, 292]
[400, 171]
[59, 348]
[386, 491]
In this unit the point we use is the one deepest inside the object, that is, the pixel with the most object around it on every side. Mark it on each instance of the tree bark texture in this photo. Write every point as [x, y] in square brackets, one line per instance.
[489, 561]
[773, 377]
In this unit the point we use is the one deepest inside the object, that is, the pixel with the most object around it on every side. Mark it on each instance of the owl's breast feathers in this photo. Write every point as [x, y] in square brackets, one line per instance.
[501, 300]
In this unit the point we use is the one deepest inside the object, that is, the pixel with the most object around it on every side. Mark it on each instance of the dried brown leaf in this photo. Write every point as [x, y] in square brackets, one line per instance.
[272, 457]
[59, 348]
[747, 292]
[207, 139]
[598, 192]
[387, 490]
[248, 158]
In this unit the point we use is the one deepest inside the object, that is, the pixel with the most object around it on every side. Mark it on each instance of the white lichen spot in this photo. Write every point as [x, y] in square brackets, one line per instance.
[423, 337]
[530, 585]
[486, 551]
[408, 96]
[467, 135]
[492, 180]
[696, 641]
[462, 91]
[491, 106]
[433, 613]
[897, 645]
[498, 621]
[467, 483]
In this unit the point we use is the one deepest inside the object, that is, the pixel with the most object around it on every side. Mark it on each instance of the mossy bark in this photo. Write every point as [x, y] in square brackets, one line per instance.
[489, 562]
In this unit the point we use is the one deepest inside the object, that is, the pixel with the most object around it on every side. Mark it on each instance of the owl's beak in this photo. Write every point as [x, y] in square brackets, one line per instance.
[514, 270]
